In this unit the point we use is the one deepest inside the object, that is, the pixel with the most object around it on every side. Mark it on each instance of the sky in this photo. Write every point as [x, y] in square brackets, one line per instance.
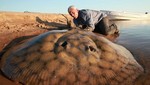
[61, 6]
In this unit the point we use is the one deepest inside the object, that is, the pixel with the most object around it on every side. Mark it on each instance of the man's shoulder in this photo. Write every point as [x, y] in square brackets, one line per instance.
[86, 10]
[89, 11]
[83, 11]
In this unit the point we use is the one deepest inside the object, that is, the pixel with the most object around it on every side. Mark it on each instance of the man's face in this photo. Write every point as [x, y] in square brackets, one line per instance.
[73, 13]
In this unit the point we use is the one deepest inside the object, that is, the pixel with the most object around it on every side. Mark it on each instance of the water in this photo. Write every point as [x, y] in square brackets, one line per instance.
[135, 36]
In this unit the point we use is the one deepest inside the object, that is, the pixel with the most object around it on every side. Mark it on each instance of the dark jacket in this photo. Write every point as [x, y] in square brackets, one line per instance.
[89, 17]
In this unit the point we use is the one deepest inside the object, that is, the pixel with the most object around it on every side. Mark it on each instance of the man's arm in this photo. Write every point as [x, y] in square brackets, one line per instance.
[89, 22]
[75, 22]
[85, 21]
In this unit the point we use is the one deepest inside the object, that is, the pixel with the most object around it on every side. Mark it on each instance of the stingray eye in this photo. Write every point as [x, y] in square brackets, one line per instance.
[91, 48]
[64, 44]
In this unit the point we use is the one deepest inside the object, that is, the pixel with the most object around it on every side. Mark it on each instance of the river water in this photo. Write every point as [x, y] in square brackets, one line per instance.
[135, 36]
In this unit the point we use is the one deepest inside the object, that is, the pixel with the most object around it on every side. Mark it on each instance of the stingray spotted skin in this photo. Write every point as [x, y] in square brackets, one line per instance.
[70, 58]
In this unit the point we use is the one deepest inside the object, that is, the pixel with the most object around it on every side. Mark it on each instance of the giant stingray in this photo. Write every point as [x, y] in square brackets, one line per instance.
[70, 58]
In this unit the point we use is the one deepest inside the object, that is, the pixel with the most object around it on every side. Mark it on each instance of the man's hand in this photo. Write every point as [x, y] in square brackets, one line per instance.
[85, 28]
[88, 29]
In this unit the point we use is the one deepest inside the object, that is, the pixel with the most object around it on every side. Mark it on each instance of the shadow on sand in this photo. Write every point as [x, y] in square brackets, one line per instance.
[58, 26]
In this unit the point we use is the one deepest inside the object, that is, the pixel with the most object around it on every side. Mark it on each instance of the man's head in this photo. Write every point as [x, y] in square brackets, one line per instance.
[73, 11]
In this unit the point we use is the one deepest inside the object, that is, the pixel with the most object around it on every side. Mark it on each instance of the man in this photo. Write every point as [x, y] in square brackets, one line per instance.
[92, 20]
